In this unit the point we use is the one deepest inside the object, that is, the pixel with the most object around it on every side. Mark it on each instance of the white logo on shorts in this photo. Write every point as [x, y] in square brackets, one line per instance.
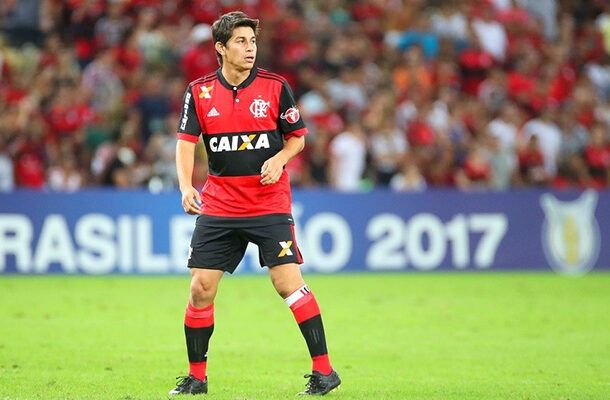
[285, 249]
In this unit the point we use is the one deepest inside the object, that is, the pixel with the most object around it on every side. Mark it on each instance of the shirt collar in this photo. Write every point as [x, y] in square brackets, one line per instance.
[248, 81]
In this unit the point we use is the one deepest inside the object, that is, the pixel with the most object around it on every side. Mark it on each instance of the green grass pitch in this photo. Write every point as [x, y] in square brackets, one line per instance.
[444, 336]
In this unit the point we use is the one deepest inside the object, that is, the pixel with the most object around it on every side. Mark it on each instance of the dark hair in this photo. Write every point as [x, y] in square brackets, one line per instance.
[222, 28]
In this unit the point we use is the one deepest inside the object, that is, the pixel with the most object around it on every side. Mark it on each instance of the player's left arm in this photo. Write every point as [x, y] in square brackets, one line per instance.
[291, 125]
[271, 170]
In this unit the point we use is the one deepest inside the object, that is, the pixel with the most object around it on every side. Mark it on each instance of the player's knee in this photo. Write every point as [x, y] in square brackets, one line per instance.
[202, 292]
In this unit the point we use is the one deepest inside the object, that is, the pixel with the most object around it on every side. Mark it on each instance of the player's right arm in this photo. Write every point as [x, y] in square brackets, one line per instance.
[185, 161]
[188, 135]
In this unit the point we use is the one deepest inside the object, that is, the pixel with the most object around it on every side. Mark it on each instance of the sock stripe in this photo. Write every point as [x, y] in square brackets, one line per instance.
[199, 317]
[297, 295]
[198, 370]
[305, 308]
[322, 364]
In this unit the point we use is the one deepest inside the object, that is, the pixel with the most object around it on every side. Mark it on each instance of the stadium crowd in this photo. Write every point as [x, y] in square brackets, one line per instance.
[404, 94]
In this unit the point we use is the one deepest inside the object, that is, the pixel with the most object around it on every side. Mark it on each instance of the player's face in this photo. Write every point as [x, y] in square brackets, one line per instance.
[240, 52]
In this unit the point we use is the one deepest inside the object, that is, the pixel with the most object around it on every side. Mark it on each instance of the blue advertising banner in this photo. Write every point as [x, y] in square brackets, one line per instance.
[136, 232]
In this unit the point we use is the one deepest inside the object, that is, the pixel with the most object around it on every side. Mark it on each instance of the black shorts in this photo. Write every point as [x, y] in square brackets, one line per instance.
[220, 243]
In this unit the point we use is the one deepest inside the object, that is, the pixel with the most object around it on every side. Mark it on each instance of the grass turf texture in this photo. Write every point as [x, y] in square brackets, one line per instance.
[391, 336]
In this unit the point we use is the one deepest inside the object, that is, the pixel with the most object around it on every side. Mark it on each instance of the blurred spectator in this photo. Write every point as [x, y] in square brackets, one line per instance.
[506, 127]
[449, 21]
[546, 11]
[571, 168]
[521, 80]
[560, 73]
[419, 34]
[603, 25]
[83, 15]
[49, 51]
[503, 141]
[584, 102]
[119, 171]
[522, 30]
[7, 179]
[457, 134]
[502, 161]
[514, 17]
[588, 42]
[598, 73]
[21, 22]
[151, 40]
[574, 136]
[388, 147]
[101, 84]
[370, 15]
[65, 176]
[409, 178]
[161, 154]
[597, 155]
[67, 116]
[106, 155]
[315, 101]
[548, 138]
[29, 160]
[64, 67]
[317, 158]
[475, 65]
[421, 138]
[346, 91]
[129, 57]
[111, 29]
[153, 105]
[532, 171]
[413, 73]
[475, 172]
[348, 158]
[290, 44]
[490, 34]
[199, 59]
[438, 165]
[438, 115]
[205, 11]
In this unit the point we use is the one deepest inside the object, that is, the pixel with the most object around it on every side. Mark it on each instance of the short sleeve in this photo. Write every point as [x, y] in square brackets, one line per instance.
[290, 122]
[189, 128]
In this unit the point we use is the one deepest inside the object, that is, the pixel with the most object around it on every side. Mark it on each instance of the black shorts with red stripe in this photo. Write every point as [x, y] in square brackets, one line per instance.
[220, 242]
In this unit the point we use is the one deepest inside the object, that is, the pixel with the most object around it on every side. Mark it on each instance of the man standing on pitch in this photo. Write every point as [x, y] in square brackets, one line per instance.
[251, 128]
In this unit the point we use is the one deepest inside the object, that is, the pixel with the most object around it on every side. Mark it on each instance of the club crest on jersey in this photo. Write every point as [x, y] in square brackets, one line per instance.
[239, 142]
[258, 108]
[205, 92]
[291, 115]
[570, 234]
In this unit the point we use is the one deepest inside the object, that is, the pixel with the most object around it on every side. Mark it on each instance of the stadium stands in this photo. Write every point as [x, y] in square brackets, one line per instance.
[473, 94]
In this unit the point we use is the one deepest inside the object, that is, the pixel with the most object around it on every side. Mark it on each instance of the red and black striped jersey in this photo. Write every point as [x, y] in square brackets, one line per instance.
[241, 126]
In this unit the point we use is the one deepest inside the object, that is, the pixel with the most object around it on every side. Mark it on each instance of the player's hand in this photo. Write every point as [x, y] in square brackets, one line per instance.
[191, 201]
[271, 171]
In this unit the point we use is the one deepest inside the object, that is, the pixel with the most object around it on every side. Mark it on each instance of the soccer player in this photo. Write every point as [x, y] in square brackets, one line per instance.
[251, 128]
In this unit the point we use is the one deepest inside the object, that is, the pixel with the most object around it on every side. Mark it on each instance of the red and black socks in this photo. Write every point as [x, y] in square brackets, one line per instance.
[198, 328]
[306, 311]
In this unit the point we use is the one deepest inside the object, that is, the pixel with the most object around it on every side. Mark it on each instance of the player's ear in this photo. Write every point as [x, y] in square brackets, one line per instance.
[220, 48]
